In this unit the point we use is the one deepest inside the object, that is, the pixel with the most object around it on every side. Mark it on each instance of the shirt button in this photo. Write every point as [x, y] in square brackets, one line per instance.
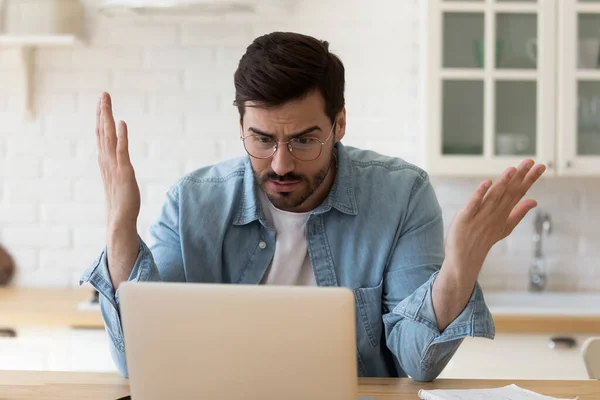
[262, 245]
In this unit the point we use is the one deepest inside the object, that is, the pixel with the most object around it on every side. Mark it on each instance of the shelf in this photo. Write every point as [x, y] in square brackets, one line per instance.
[26, 44]
[587, 7]
[37, 41]
[588, 75]
[480, 74]
[516, 75]
[517, 7]
[460, 74]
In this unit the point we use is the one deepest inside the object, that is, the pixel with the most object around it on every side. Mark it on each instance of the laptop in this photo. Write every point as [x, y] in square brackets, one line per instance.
[226, 341]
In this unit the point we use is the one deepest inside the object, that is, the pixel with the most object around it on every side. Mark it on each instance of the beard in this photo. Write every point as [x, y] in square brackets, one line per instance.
[289, 201]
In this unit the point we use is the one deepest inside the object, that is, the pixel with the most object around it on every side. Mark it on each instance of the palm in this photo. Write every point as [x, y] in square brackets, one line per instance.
[491, 214]
[122, 193]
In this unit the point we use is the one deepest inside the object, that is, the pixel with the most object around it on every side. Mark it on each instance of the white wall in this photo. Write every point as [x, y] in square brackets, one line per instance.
[172, 81]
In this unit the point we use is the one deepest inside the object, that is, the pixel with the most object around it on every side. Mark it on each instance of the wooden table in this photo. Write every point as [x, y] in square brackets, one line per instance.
[506, 323]
[23, 385]
[405, 389]
[47, 307]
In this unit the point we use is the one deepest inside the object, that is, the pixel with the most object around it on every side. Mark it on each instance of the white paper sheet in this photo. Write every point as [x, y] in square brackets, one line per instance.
[511, 392]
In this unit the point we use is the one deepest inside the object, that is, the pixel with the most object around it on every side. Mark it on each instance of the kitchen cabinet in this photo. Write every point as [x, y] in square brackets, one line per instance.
[510, 79]
[517, 356]
[508, 356]
[56, 330]
[56, 349]
[578, 108]
[89, 351]
[24, 354]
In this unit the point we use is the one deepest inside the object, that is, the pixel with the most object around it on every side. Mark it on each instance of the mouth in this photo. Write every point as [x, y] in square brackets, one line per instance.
[279, 186]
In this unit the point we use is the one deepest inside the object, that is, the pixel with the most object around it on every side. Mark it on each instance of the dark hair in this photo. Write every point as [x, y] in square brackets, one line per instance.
[284, 66]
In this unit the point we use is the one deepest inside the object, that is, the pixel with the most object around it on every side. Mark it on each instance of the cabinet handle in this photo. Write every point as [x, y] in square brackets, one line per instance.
[8, 332]
[569, 164]
[562, 342]
[550, 165]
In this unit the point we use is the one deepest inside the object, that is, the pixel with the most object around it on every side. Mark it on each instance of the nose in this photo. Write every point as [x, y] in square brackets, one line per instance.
[282, 161]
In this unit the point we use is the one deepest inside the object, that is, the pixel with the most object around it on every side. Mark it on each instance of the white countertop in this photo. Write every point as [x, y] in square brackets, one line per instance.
[543, 303]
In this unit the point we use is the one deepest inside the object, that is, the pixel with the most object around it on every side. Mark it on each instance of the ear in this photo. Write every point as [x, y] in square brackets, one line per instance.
[340, 126]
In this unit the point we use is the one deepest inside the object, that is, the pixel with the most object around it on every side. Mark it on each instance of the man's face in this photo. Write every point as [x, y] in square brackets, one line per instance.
[289, 183]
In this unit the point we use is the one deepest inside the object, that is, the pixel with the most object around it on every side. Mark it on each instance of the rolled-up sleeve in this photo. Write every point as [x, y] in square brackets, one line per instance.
[421, 350]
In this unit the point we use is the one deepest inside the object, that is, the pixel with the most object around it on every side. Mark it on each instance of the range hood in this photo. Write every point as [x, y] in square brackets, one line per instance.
[178, 7]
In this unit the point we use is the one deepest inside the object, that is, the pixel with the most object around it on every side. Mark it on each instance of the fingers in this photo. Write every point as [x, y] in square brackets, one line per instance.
[513, 193]
[534, 174]
[474, 203]
[122, 145]
[109, 130]
[101, 135]
[522, 171]
[98, 135]
[513, 185]
[494, 195]
[528, 173]
[518, 213]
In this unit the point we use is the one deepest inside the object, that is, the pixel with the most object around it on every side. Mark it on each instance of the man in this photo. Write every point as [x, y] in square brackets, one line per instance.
[302, 209]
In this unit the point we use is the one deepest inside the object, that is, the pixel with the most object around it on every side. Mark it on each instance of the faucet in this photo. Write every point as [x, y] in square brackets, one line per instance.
[537, 271]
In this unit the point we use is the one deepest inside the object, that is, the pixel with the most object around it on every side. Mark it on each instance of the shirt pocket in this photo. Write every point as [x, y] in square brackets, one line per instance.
[369, 312]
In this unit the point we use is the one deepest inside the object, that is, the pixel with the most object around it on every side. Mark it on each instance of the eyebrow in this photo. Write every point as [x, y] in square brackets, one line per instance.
[291, 136]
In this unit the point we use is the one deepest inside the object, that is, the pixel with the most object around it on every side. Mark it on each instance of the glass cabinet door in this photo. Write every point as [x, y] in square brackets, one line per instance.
[579, 99]
[588, 41]
[463, 40]
[515, 113]
[462, 100]
[588, 91]
[516, 118]
[516, 41]
[462, 117]
[588, 118]
[491, 63]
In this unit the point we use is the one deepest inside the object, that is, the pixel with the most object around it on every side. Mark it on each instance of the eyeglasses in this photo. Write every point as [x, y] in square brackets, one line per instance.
[301, 148]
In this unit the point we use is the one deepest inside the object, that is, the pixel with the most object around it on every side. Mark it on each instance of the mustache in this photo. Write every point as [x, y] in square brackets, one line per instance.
[289, 177]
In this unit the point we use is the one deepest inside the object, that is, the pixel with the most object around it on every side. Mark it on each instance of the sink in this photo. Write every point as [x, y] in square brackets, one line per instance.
[543, 303]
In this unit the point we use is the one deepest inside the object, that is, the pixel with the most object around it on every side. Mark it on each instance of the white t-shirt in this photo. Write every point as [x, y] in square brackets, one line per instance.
[291, 263]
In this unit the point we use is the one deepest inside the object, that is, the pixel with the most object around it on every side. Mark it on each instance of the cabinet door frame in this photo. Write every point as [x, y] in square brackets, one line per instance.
[568, 162]
[488, 164]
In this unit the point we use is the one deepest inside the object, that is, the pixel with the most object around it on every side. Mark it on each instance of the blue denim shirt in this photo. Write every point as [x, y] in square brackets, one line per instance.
[379, 233]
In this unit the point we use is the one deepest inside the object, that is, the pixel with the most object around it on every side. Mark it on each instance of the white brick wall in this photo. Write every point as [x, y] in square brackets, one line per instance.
[172, 81]
[572, 255]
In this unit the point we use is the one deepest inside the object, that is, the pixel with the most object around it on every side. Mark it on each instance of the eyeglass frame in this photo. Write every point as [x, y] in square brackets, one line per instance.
[289, 146]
